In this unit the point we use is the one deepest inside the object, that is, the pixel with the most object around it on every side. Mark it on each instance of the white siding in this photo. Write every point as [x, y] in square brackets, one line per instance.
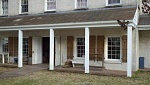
[38, 6]
[144, 47]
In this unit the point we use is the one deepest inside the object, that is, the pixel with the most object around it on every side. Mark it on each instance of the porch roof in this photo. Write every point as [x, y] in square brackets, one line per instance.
[105, 14]
[144, 20]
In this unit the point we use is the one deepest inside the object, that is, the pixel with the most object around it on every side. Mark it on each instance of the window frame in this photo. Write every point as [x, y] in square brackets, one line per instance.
[75, 47]
[25, 49]
[76, 7]
[20, 12]
[106, 50]
[50, 9]
[5, 47]
[107, 4]
[2, 10]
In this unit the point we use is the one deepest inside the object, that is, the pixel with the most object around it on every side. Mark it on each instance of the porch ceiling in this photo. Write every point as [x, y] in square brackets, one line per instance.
[105, 14]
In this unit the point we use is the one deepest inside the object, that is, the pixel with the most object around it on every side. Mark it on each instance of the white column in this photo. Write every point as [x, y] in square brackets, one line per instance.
[129, 51]
[51, 59]
[3, 60]
[87, 33]
[20, 43]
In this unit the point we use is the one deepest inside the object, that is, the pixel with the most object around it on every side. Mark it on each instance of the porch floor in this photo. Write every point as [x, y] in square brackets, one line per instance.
[93, 70]
[28, 69]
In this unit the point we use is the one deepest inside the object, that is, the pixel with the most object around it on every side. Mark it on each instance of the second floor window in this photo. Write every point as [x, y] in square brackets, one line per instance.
[4, 7]
[114, 1]
[50, 5]
[24, 6]
[81, 4]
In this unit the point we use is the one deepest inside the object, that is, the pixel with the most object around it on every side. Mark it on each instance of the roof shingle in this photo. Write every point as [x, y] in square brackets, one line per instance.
[71, 17]
[144, 20]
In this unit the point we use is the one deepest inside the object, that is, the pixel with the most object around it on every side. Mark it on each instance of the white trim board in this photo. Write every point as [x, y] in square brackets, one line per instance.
[63, 25]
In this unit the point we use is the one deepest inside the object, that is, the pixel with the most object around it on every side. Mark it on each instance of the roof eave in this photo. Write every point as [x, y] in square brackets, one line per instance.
[64, 25]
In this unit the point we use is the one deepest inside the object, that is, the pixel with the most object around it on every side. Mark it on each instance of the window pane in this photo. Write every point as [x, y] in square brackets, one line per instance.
[51, 4]
[5, 44]
[109, 43]
[114, 48]
[80, 47]
[113, 57]
[117, 56]
[81, 3]
[109, 56]
[118, 48]
[5, 6]
[25, 46]
[24, 6]
[109, 52]
[113, 1]
[109, 48]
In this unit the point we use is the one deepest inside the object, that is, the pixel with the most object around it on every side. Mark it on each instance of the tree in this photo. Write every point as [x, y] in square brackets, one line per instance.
[146, 6]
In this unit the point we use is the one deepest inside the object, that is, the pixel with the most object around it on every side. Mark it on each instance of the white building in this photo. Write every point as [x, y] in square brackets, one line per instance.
[55, 31]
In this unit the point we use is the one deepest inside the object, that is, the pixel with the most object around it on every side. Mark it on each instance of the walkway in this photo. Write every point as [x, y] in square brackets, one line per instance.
[26, 70]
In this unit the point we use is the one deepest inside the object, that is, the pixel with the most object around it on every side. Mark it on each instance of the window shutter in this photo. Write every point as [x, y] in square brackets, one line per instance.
[70, 47]
[92, 47]
[100, 48]
[124, 48]
[13, 46]
[30, 47]
[10, 46]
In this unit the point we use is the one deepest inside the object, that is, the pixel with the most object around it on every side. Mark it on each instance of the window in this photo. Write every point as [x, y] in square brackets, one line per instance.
[50, 5]
[113, 47]
[81, 4]
[25, 46]
[5, 44]
[4, 7]
[24, 6]
[80, 47]
[113, 2]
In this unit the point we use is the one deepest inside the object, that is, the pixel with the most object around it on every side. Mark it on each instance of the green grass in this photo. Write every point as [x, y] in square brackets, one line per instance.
[61, 78]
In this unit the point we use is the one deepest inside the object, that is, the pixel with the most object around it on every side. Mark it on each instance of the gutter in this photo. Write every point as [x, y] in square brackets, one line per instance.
[144, 27]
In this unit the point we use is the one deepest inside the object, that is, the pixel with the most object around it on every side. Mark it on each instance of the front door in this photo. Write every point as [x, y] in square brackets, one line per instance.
[45, 48]
[37, 50]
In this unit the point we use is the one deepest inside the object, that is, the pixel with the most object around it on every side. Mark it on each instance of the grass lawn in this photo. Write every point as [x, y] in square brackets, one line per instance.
[61, 78]
[4, 69]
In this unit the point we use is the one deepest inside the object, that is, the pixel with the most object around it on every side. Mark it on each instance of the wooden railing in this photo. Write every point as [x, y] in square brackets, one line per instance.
[2, 54]
[96, 57]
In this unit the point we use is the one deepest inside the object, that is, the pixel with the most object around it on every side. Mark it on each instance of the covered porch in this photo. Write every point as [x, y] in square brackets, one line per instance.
[85, 39]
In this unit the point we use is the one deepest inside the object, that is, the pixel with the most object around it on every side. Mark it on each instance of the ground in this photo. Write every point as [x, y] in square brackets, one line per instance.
[45, 77]
[4, 69]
